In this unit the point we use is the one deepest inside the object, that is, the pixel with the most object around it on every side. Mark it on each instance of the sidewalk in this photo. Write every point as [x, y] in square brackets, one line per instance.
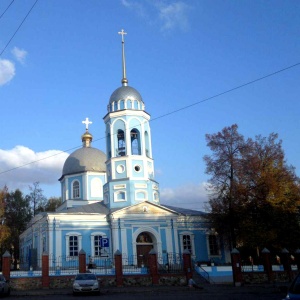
[209, 289]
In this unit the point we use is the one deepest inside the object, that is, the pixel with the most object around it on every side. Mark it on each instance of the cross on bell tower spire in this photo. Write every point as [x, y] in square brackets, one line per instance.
[124, 80]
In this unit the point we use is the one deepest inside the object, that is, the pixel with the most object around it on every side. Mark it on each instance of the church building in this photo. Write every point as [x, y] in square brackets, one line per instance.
[112, 201]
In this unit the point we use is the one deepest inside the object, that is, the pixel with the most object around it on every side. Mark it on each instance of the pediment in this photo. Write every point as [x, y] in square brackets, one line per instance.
[146, 209]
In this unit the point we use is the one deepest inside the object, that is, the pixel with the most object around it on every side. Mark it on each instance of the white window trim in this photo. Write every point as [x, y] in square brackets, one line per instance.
[116, 196]
[208, 248]
[72, 189]
[192, 237]
[79, 237]
[104, 235]
[157, 199]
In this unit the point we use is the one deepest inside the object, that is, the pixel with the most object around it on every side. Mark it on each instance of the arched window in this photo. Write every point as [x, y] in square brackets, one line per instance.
[213, 244]
[135, 142]
[115, 105]
[129, 104]
[147, 146]
[76, 189]
[122, 106]
[121, 143]
[120, 196]
[143, 238]
[187, 242]
[73, 244]
[108, 144]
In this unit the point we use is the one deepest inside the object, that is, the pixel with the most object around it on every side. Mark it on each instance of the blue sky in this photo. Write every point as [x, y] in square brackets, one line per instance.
[65, 61]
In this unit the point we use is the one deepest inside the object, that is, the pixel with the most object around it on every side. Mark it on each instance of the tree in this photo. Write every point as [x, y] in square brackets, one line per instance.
[224, 165]
[53, 203]
[4, 229]
[254, 194]
[17, 216]
[271, 196]
[36, 198]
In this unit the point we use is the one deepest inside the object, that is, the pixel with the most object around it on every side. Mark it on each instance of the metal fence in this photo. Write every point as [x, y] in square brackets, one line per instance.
[169, 263]
[31, 266]
[131, 265]
[69, 265]
[100, 265]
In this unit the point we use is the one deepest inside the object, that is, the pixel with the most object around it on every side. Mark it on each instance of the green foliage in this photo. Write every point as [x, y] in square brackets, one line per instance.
[53, 203]
[17, 216]
[254, 194]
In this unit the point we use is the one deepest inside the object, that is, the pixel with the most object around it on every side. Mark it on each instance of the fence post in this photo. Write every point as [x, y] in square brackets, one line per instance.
[286, 262]
[6, 265]
[152, 261]
[236, 267]
[187, 264]
[45, 271]
[119, 268]
[82, 261]
[267, 263]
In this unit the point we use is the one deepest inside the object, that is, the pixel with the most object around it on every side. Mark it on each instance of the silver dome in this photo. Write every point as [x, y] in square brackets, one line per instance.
[85, 159]
[125, 92]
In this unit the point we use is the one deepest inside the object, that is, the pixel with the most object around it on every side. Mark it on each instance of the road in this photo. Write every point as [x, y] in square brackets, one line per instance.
[222, 293]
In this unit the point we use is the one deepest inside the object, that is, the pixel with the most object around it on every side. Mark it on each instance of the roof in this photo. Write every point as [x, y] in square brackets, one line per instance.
[186, 211]
[83, 160]
[96, 208]
[124, 93]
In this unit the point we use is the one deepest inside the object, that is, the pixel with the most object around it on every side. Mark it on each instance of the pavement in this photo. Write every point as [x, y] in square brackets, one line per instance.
[208, 289]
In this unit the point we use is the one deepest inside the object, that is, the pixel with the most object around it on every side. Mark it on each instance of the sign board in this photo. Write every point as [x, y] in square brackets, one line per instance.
[104, 242]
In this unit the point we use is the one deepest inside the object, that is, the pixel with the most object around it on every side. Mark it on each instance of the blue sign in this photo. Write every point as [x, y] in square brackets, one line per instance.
[104, 242]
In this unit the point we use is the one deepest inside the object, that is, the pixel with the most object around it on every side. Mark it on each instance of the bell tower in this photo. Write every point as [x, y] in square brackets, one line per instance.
[129, 165]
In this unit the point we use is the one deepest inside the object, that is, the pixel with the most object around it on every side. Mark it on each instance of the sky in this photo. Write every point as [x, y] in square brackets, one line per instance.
[61, 63]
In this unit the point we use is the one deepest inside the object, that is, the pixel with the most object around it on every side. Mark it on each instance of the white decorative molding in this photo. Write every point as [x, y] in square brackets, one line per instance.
[140, 185]
[119, 186]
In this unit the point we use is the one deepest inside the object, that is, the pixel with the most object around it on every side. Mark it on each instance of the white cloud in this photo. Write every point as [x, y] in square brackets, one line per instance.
[174, 15]
[19, 54]
[192, 196]
[137, 6]
[7, 71]
[24, 166]
[169, 16]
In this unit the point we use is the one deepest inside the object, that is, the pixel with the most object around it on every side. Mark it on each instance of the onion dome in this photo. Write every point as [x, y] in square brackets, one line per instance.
[86, 158]
[125, 93]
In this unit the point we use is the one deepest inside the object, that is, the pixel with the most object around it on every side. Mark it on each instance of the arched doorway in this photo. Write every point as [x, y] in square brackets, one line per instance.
[144, 244]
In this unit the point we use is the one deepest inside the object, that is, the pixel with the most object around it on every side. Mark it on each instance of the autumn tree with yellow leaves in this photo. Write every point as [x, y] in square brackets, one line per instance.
[4, 229]
[254, 195]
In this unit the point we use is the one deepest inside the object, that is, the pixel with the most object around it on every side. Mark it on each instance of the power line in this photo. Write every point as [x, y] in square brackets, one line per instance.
[227, 91]
[19, 27]
[7, 8]
[174, 111]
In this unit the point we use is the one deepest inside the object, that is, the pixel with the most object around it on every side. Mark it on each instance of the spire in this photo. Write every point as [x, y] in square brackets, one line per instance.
[124, 80]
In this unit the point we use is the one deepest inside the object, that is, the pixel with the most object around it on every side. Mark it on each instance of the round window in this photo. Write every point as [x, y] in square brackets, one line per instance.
[137, 168]
[120, 168]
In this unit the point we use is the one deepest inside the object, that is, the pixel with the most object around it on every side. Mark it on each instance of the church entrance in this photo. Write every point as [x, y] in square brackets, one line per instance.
[144, 244]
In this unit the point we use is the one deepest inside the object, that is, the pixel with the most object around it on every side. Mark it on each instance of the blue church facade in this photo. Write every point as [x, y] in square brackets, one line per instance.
[112, 201]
